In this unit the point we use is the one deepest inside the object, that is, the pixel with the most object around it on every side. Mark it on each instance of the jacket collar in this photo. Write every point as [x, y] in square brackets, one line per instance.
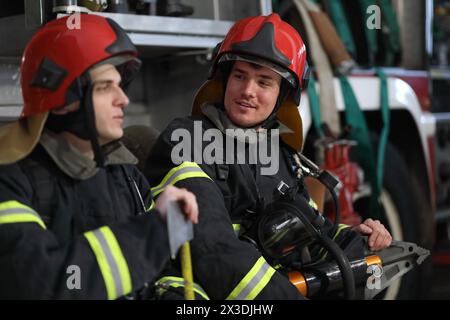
[74, 163]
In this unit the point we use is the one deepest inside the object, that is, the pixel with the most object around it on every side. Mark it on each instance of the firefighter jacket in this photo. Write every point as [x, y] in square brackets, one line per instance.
[223, 265]
[71, 230]
[227, 194]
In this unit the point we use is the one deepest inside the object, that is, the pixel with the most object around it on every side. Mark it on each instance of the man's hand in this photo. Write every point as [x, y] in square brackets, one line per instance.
[379, 237]
[186, 199]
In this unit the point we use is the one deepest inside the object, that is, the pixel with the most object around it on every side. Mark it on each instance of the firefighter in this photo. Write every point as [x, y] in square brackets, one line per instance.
[76, 216]
[255, 84]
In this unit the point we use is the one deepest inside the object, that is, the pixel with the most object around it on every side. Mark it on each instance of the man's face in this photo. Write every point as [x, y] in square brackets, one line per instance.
[109, 102]
[251, 93]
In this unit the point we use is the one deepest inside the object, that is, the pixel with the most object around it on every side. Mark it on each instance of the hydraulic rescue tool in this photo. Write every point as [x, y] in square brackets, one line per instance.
[373, 273]
[289, 226]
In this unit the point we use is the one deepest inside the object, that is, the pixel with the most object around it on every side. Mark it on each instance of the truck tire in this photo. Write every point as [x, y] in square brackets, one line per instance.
[407, 214]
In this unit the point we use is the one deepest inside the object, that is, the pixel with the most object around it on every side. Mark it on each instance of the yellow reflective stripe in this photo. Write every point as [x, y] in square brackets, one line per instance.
[103, 264]
[244, 282]
[313, 204]
[111, 262]
[236, 228]
[152, 205]
[13, 204]
[16, 212]
[185, 170]
[261, 284]
[16, 218]
[124, 272]
[255, 280]
[188, 175]
[177, 282]
[340, 228]
[185, 164]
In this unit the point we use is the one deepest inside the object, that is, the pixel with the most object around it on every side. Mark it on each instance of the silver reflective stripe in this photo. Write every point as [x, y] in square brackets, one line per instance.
[253, 283]
[18, 211]
[176, 174]
[111, 262]
[237, 229]
[16, 214]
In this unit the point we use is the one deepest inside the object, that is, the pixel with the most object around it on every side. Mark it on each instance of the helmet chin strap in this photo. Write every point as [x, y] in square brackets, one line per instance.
[284, 92]
[80, 123]
[89, 112]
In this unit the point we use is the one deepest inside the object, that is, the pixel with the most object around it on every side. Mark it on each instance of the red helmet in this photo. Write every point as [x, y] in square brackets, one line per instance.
[269, 40]
[52, 73]
[57, 55]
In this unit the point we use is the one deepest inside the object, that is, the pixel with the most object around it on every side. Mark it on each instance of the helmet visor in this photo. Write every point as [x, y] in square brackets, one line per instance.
[127, 65]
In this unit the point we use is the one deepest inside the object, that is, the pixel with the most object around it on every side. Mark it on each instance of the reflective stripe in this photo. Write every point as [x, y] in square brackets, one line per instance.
[111, 261]
[183, 171]
[124, 272]
[313, 204]
[16, 212]
[237, 229]
[177, 282]
[152, 205]
[255, 280]
[340, 228]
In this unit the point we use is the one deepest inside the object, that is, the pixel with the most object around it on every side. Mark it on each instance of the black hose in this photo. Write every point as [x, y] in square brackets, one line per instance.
[335, 251]
[331, 183]
[337, 210]
[348, 278]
